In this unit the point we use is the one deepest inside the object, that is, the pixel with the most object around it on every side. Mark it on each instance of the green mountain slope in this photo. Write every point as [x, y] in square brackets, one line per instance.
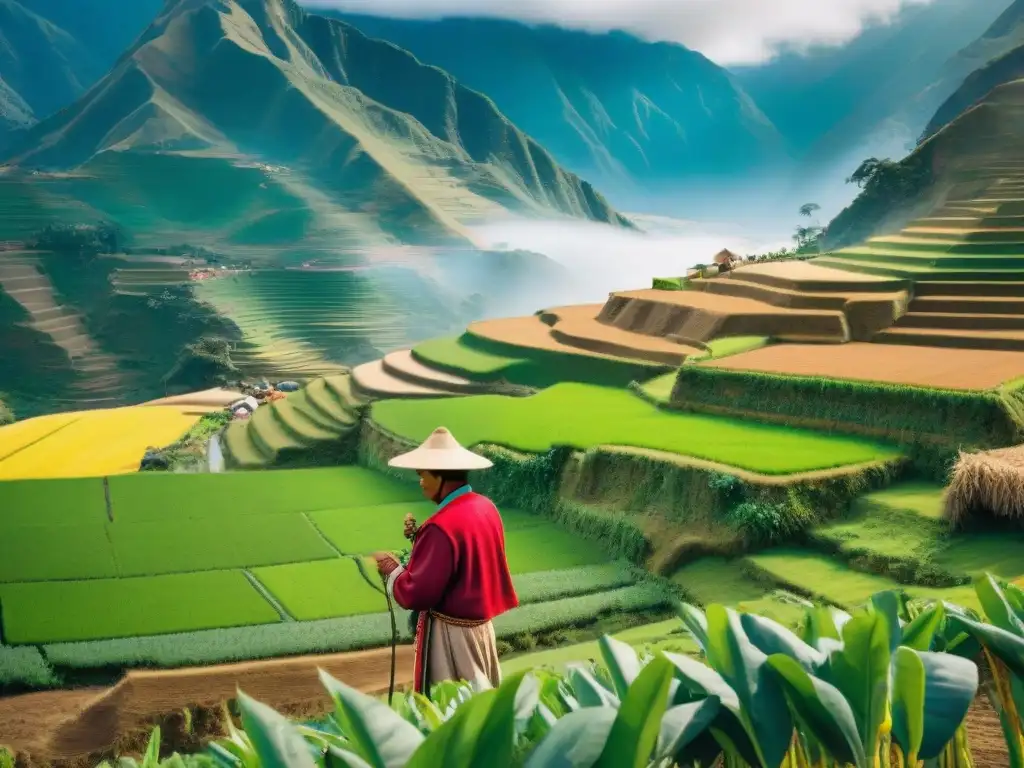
[350, 133]
[609, 106]
[887, 81]
[969, 163]
[993, 59]
[52, 51]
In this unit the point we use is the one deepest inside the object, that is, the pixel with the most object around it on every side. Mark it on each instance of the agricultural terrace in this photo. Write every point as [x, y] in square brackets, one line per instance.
[943, 368]
[583, 416]
[90, 443]
[521, 351]
[112, 584]
[892, 539]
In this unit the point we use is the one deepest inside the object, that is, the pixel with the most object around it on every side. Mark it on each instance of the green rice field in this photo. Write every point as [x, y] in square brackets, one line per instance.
[259, 549]
[583, 416]
[453, 354]
[54, 611]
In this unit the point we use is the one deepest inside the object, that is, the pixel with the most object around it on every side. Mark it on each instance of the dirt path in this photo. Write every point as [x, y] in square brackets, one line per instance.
[74, 727]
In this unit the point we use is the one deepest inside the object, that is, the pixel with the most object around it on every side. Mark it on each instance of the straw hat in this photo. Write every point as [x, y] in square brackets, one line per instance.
[440, 451]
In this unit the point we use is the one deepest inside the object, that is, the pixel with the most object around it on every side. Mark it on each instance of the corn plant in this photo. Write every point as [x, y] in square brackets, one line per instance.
[151, 759]
[854, 690]
[1002, 643]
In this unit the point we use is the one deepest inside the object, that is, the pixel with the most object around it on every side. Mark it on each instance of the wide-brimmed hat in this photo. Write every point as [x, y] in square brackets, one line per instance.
[440, 451]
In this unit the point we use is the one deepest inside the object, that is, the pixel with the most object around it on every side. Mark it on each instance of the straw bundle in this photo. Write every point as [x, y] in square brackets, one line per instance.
[988, 483]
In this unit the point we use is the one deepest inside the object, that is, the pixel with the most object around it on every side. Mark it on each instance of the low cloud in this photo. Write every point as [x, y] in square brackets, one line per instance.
[729, 32]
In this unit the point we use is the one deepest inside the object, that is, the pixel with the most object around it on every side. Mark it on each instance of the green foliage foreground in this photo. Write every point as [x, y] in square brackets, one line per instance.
[889, 685]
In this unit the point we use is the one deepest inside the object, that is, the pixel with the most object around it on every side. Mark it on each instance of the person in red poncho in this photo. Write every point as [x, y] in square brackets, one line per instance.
[457, 577]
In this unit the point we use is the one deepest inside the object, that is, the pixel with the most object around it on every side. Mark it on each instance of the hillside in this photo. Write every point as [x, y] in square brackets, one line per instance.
[51, 52]
[830, 99]
[994, 58]
[970, 156]
[365, 137]
[609, 106]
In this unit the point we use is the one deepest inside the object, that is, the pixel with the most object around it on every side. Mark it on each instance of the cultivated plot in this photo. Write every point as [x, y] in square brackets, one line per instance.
[940, 368]
[584, 416]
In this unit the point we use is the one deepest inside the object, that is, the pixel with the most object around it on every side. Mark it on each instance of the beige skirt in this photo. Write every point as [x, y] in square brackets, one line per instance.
[456, 652]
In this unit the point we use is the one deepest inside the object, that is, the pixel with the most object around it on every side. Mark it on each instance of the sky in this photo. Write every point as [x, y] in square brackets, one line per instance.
[729, 32]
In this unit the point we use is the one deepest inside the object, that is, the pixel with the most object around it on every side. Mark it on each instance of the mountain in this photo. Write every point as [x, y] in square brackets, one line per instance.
[969, 163]
[886, 81]
[52, 51]
[994, 58]
[609, 106]
[276, 178]
[296, 124]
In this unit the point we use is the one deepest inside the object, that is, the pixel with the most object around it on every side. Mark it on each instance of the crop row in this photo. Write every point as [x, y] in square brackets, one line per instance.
[25, 666]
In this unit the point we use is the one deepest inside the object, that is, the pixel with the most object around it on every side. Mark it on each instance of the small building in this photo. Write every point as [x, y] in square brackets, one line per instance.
[726, 260]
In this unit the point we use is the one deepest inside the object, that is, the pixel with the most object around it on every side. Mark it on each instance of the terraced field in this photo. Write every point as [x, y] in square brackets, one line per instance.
[90, 443]
[315, 421]
[966, 261]
[264, 549]
[583, 416]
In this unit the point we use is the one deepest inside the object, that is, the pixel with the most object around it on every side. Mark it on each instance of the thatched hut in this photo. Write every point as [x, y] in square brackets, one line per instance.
[986, 484]
[725, 256]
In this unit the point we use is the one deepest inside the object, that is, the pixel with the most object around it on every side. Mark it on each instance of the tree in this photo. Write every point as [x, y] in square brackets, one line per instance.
[82, 240]
[867, 171]
[203, 364]
[808, 208]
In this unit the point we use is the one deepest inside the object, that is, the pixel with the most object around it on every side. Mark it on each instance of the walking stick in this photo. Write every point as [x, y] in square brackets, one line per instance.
[394, 622]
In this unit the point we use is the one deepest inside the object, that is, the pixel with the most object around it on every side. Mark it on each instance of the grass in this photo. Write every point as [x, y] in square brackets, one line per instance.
[817, 575]
[924, 499]
[711, 580]
[96, 443]
[363, 530]
[56, 552]
[584, 416]
[452, 353]
[732, 345]
[51, 502]
[546, 548]
[56, 611]
[321, 590]
[216, 543]
[541, 586]
[236, 495]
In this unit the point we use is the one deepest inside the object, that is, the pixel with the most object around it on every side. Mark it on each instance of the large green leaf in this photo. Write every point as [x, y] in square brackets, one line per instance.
[763, 710]
[770, 637]
[695, 623]
[861, 673]
[889, 604]
[275, 740]
[822, 709]
[494, 740]
[1006, 646]
[588, 690]
[699, 680]
[951, 683]
[908, 697]
[1015, 597]
[376, 732]
[575, 741]
[681, 726]
[920, 633]
[622, 662]
[339, 757]
[997, 609]
[527, 699]
[635, 731]
[453, 742]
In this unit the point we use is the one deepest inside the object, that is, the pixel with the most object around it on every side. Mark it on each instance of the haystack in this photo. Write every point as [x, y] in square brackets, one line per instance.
[725, 256]
[986, 484]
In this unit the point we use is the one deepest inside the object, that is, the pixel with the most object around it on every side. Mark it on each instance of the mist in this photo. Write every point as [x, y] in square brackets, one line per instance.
[599, 258]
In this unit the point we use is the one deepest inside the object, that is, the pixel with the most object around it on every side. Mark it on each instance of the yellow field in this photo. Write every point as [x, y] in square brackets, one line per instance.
[89, 443]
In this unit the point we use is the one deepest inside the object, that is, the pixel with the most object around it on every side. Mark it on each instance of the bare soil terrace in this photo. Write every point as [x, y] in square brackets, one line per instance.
[940, 368]
[74, 727]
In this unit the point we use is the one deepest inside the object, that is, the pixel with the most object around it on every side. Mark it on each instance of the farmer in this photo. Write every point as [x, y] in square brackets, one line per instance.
[457, 577]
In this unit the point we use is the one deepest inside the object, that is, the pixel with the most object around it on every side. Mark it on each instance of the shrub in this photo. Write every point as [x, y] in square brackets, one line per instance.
[6, 414]
[203, 364]
[82, 240]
